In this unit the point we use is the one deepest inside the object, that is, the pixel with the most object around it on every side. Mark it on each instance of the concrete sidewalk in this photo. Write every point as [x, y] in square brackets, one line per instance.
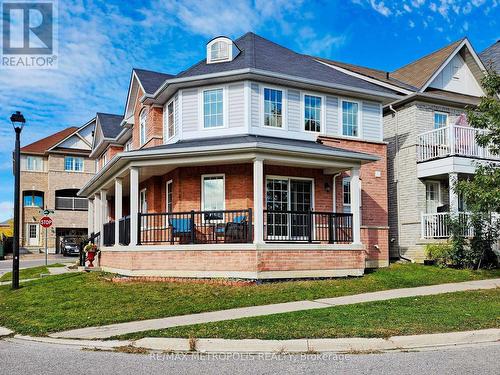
[246, 312]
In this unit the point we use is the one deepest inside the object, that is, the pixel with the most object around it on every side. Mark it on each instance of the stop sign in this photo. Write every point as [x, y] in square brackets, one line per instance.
[46, 222]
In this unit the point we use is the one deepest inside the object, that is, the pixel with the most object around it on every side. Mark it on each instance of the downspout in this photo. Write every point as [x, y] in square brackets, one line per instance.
[398, 213]
[335, 191]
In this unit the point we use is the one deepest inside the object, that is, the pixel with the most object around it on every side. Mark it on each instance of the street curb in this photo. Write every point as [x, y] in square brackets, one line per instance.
[255, 346]
[5, 332]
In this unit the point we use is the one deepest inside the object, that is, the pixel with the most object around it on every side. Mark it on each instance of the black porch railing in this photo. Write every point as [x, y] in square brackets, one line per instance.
[109, 234]
[294, 226]
[196, 227]
[124, 231]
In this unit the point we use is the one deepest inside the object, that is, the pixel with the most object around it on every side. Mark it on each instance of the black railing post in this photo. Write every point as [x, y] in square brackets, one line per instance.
[249, 235]
[139, 218]
[310, 225]
[331, 227]
[193, 233]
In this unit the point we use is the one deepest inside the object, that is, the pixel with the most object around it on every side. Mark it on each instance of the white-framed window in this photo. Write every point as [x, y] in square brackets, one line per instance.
[33, 199]
[213, 108]
[213, 192]
[142, 126]
[143, 203]
[440, 120]
[104, 159]
[34, 163]
[350, 118]
[219, 51]
[73, 164]
[169, 195]
[128, 146]
[346, 194]
[312, 113]
[170, 120]
[273, 107]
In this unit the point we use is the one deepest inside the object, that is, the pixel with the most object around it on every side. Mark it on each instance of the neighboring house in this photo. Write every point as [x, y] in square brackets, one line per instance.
[6, 228]
[491, 57]
[53, 169]
[257, 162]
[430, 143]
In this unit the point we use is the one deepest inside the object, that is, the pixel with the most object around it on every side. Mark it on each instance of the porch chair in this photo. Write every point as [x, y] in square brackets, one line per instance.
[181, 227]
[236, 230]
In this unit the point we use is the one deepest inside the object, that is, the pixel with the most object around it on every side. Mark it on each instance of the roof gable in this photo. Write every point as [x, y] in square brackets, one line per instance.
[43, 145]
[151, 81]
[110, 124]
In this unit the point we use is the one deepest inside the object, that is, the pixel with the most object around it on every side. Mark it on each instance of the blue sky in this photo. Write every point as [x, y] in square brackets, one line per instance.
[100, 41]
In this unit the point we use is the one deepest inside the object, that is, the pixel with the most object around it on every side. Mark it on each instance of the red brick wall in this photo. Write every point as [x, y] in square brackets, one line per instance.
[154, 124]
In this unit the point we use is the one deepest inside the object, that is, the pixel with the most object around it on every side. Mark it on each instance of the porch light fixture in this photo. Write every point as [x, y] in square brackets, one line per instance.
[327, 187]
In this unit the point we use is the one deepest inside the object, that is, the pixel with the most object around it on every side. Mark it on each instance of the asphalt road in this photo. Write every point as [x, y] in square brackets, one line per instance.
[21, 357]
[27, 262]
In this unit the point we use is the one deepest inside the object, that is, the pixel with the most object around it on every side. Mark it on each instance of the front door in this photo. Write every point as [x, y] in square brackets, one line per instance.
[432, 197]
[287, 200]
[33, 235]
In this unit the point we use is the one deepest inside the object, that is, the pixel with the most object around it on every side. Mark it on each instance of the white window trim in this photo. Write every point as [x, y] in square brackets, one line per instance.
[230, 52]
[360, 192]
[440, 113]
[278, 177]
[144, 112]
[439, 191]
[303, 112]
[128, 146]
[169, 182]
[201, 107]
[166, 135]
[36, 158]
[141, 192]
[203, 176]
[284, 106]
[73, 165]
[360, 118]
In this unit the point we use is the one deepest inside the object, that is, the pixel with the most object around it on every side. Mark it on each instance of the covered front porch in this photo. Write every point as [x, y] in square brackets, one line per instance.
[250, 215]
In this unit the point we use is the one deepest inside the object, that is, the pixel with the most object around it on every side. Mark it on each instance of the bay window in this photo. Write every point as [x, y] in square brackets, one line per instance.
[213, 115]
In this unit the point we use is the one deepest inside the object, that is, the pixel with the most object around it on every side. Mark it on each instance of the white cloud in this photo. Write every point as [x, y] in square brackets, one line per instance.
[311, 44]
[6, 210]
[411, 24]
[380, 8]
[417, 3]
[407, 8]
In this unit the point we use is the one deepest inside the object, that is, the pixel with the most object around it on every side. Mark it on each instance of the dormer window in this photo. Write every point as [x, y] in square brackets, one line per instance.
[221, 49]
[218, 51]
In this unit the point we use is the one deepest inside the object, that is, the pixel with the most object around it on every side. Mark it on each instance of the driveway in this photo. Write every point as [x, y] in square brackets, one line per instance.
[40, 358]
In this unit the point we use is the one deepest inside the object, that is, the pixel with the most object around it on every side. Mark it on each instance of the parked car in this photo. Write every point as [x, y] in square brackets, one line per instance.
[69, 246]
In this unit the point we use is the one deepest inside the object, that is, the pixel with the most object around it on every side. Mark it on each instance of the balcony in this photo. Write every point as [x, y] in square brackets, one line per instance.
[451, 140]
[437, 225]
[72, 203]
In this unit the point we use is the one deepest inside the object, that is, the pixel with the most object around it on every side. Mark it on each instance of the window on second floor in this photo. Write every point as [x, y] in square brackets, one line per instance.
[312, 113]
[440, 120]
[128, 146]
[213, 116]
[73, 164]
[170, 123]
[34, 164]
[142, 127]
[273, 108]
[350, 118]
[33, 199]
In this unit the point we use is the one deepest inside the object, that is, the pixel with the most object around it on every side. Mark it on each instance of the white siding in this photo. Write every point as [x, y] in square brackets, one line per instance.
[190, 110]
[294, 111]
[332, 115]
[236, 110]
[372, 121]
[255, 105]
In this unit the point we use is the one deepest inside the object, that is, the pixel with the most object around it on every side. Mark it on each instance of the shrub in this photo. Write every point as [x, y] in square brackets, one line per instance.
[440, 252]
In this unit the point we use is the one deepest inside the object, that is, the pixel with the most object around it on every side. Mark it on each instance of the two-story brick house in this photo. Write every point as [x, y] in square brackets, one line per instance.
[430, 143]
[257, 162]
[53, 169]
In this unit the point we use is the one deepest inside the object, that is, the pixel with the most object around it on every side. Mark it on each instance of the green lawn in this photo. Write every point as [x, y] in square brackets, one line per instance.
[30, 273]
[461, 311]
[76, 300]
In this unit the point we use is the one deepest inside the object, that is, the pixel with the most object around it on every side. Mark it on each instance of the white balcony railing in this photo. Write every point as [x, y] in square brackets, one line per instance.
[72, 203]
[451, 140]
[437, 225]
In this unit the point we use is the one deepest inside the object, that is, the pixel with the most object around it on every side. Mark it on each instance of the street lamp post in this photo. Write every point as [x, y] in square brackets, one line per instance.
[18, 122]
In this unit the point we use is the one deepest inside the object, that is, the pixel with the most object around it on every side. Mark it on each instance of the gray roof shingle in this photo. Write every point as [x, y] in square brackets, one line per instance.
[491, 56]
[259, 53]
[110, 124]
[150, 80]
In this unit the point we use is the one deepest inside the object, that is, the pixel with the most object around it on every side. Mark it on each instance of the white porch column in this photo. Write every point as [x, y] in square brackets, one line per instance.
[355, 205]
[90, 217]
[118, 208]
[258, 200]
[134, 204]
[97, 212]
[453, 179]
[104, 215]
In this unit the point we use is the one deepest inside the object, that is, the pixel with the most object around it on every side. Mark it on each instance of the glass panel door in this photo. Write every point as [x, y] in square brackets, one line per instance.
[277, 200]
[300, 201]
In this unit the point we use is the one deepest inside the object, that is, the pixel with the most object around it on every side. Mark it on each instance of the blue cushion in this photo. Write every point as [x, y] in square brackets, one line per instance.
[181, 225]
[239, 219]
